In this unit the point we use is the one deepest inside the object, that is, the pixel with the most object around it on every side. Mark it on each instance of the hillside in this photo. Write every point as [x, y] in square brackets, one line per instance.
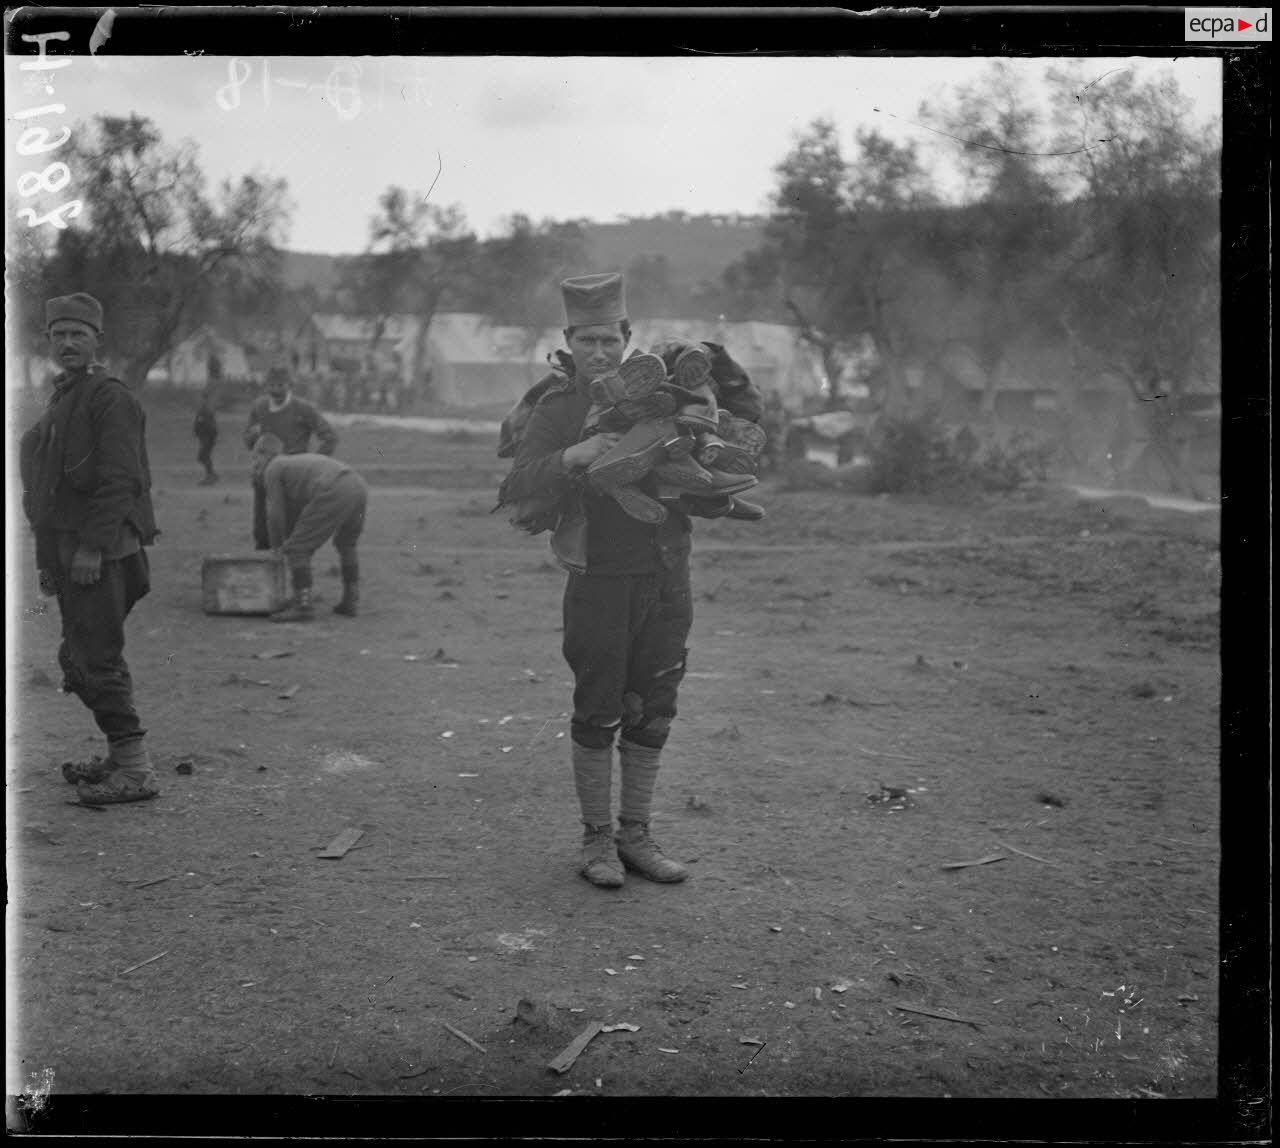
[697, 248]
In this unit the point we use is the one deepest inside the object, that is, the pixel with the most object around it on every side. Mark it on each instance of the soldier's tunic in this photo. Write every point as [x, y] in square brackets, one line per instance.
[87, 485]
[311, 498]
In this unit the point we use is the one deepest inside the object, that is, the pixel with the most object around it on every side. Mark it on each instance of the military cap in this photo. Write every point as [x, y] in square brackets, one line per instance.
[80, 307]
[592, 299]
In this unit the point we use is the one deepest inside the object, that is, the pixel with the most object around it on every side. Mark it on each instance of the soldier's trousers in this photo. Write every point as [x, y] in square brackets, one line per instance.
[92, 650]
[261, 540]
[336, 512]
[625, 639]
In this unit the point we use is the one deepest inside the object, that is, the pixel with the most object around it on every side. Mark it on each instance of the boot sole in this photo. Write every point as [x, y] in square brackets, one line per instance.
[633, 868]
[639, 505]
[612, 883]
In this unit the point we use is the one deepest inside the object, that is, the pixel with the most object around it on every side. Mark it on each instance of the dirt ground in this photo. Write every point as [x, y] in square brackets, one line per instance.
[878, 690]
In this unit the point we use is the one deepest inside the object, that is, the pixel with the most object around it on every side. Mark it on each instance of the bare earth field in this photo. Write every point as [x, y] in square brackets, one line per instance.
[878, 689]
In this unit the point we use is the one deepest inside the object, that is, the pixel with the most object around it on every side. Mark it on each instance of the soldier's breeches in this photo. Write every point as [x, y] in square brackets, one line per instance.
[92, 650]
[336, 512]
[625, 639]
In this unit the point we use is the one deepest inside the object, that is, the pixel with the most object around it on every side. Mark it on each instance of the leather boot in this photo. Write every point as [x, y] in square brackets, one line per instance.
[701, 414]
[743, 443]
[641, 854]
[633, 455]
[721, 484]
[600, 861]
[130, 776]
[684, 472]
[299, 610]
[745, 511]
[639, 505]
[350, 599]
[636, 377]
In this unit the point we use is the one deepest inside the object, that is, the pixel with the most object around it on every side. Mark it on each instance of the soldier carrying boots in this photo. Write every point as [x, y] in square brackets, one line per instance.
[311, 498]
[627, 604]
[86, 490]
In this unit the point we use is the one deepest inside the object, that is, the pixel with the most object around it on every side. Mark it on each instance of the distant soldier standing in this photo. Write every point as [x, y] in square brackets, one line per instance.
[205, 428]
[311, 498]
[294, 421]
[87, 493]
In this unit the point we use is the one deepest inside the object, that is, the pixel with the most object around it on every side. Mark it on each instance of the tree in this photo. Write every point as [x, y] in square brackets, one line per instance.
[154, 246]
[1141, 296]
[521, 273]
[840, 251]
[1001, 250]
[417, 253]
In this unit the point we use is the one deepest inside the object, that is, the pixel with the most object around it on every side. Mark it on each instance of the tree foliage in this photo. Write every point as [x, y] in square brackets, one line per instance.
[154, 245]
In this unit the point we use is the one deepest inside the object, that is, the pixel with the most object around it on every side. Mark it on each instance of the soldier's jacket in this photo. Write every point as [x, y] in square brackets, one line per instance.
[85, 472]
[592, 532]
[205, 427]
[293, 424]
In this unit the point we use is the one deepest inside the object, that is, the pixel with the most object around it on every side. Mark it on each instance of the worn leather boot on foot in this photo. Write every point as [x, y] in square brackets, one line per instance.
[600, 864]
[299, 610]
[641, 854]
[95, 769]
[129, 777]
[120, 785]
[350, 600]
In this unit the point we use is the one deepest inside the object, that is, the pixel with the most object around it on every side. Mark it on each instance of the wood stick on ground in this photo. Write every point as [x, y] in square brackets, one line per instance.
[940, 1014]
[980, 861]
[148, 961]
[339, 846]
[154, 881]
[463, 1036]
[333, 1055]
[564, 1061]
[884, 753]
[1024, 853]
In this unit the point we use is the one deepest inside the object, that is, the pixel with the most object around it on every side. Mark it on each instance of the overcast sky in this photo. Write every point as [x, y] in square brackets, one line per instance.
[560, 138]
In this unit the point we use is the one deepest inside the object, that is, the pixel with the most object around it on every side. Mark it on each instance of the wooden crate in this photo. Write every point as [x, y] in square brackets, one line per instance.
[243, 583]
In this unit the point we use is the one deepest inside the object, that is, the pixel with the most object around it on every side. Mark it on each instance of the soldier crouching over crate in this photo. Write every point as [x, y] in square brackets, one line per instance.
[311, 498]
[87, 494]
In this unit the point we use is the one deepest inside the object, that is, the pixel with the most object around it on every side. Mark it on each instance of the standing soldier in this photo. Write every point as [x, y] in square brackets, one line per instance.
[205, 429]
[86, 486]
[294, 421]
[311, 498]
[627, 604]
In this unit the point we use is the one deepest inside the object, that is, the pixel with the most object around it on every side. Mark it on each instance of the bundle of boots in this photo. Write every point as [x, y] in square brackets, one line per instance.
[665, 406]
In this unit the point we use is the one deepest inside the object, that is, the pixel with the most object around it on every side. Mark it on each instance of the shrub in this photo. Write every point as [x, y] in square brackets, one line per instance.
[920, 454]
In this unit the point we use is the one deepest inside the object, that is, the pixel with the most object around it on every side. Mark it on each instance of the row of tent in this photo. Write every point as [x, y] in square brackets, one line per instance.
[467, 360]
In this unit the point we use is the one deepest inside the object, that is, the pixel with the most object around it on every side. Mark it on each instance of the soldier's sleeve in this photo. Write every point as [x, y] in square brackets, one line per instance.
[326, 436]
[27, 469]
[277, 524]
[538, 470]
[252, 428]
[118, 454]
